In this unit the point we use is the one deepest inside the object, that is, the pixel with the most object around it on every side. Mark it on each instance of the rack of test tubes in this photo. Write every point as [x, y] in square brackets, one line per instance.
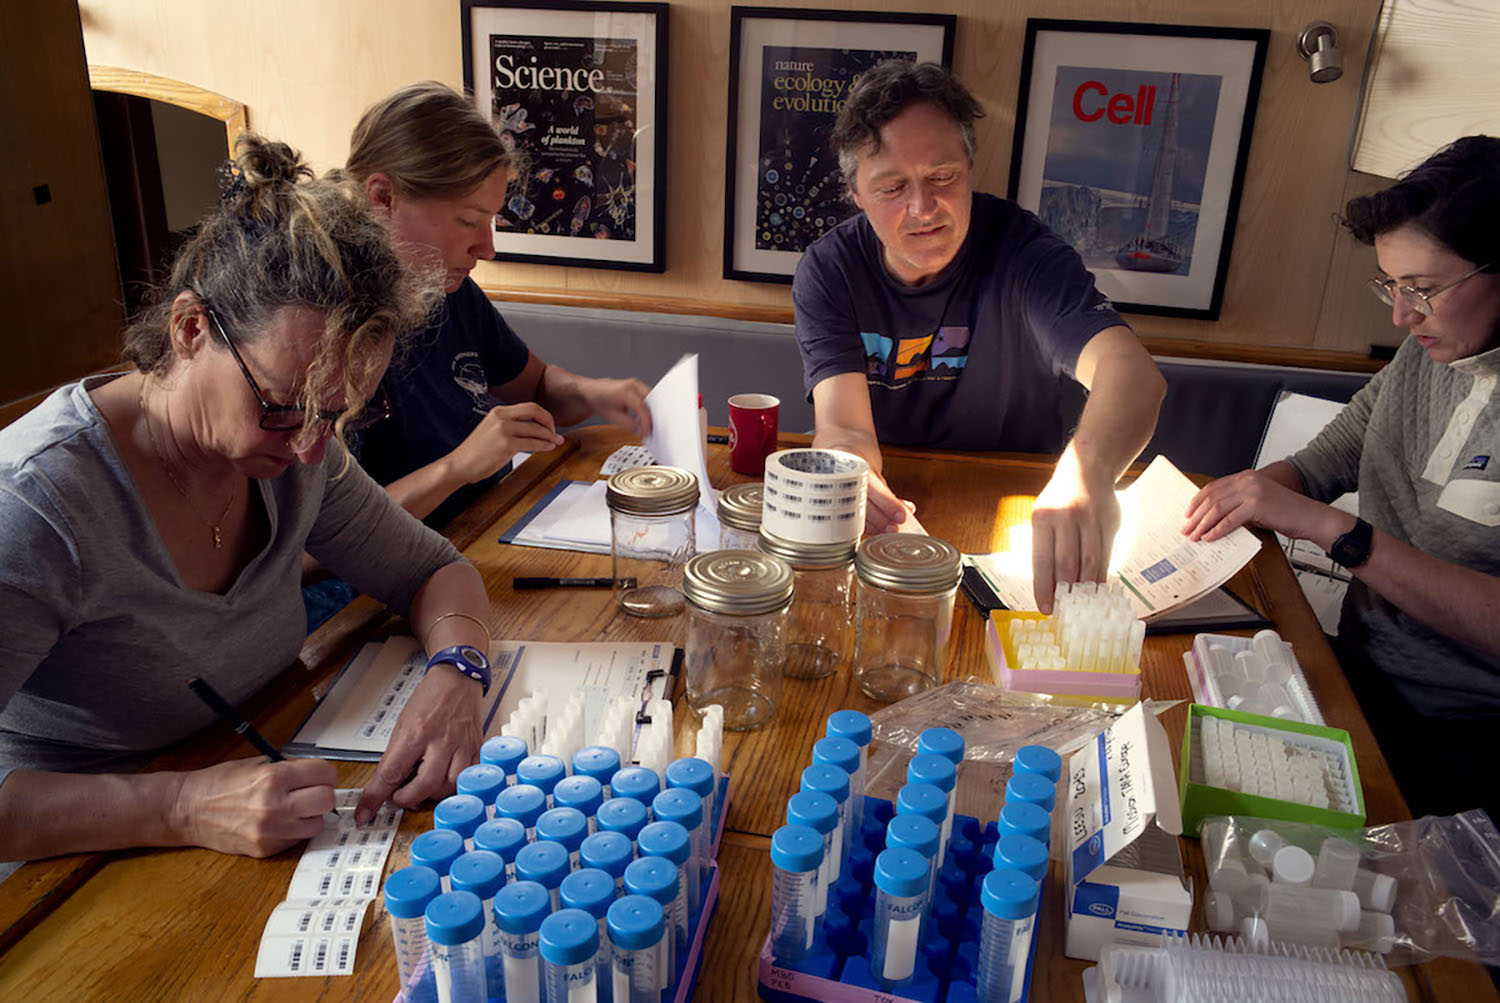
[1089, 646]
[1257, 675]
[1204, 969]
[906, 902]
[1268, 889]
[577, 879]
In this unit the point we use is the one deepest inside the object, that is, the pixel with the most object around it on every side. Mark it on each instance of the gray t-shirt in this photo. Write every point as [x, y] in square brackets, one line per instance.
[98, 634]
[1419, 443]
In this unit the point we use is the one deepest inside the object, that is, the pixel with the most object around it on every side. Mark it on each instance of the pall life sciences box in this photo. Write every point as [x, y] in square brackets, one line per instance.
[1125, 879]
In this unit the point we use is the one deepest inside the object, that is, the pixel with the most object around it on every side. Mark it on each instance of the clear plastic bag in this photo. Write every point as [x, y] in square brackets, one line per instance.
[1436, 878]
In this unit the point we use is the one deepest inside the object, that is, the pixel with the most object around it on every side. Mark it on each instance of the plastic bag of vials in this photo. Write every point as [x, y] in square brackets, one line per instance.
[1258, 675]
[1409, 891]
[1031, 653]
[1247, 764]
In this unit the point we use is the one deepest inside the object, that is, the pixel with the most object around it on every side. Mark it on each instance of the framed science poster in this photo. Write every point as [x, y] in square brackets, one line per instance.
[1131, 141]
[578, 90]
[790, 72]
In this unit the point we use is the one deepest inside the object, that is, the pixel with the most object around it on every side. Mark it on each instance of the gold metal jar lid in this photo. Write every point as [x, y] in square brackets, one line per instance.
[908, 563]
[741, 582]
[807, 555]
[653, 490]
[739, 506]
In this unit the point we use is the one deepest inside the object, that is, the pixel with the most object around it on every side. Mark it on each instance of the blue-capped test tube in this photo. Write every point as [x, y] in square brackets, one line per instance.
[542, 771]
[796, 860]
[671, 843]
[593, 891]
[637, 927]
[485, 782]
[569, 942]
[855, 726]
[437, 849]
[407, 893]
[455, 928]
[1040, 760]
[519, 911]
[900, 901]
[626, 816]
[1031, 788]
[524, 803]
[483, 874]
[834, 782]
[1009, 899]
[657, 879]
[610, 852]
[943, 742]
[566, 826]
[635, 782]
[463, 813]
[504, 751]
[931, 768]
[544, 862]
[820, 813]
[1021, 853]
[1021, 818]
[686, 809]
[502, 836]
[916, 832]
[844, 755]
[597, 761]
[697, 775]
[581, 792]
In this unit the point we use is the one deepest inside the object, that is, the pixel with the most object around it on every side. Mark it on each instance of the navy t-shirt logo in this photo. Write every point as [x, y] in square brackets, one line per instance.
[938, 356]
[1478, 462]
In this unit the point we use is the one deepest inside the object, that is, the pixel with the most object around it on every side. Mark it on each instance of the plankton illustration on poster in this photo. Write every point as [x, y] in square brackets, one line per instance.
[1127, 155]
[799, 189]
[568, 107]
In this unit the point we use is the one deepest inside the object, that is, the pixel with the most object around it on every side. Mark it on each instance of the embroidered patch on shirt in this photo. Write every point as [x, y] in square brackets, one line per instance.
[1478, 462]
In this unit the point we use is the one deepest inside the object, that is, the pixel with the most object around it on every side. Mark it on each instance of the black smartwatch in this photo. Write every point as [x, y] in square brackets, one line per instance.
[1353, 548]
[468, 660]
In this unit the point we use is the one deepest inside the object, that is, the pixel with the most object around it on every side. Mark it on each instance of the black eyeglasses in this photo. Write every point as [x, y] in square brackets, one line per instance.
[291, 417]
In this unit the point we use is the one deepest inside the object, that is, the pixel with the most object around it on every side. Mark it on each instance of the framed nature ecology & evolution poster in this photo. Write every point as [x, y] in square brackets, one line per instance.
[790, 72]
[1130, 142]
[578, 91]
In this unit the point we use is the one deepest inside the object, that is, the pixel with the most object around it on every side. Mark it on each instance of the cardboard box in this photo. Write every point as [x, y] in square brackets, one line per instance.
[1125, 878]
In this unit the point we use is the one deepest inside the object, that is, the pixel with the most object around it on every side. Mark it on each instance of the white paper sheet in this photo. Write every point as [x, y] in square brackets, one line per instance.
[316, 930]
[676, 440]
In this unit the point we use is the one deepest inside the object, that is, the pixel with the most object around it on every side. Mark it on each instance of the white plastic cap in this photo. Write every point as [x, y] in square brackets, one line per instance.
[1376, 891]
[1255, 931]
[1293, 865]
[1348, 911]
[1264, 844]
[1218, 910]
[1376, 932]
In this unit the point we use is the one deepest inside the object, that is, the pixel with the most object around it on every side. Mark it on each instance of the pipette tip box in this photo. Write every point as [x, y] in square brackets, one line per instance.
[1120, 687]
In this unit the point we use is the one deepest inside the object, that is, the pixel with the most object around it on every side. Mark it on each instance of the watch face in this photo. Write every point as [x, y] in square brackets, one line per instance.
[473, 656]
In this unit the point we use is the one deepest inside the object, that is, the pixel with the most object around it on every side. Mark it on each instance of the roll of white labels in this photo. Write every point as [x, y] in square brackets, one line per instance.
[814, 495]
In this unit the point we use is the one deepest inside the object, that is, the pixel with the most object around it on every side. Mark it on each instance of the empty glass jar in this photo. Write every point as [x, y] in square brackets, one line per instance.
[651, 537]
[739, 516]
[903, 613]
[818, 626]
[737, 611]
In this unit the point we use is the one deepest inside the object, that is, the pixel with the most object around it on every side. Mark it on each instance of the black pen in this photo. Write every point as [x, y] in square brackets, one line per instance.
[230, 716]
[569, 583]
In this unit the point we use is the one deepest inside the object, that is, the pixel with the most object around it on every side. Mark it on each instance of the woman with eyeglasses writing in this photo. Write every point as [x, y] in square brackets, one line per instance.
[1421, 445]
[152, 527]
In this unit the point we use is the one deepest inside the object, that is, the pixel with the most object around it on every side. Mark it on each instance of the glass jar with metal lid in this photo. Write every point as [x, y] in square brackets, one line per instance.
[818, 627]
[903, 613]
[739, 516]
[651, 537]
[737, 610]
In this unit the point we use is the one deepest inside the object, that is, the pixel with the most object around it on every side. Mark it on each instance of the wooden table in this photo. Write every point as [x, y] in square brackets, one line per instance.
[185, 924]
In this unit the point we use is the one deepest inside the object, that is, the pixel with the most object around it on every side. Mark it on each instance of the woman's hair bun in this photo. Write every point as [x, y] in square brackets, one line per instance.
[261, 168]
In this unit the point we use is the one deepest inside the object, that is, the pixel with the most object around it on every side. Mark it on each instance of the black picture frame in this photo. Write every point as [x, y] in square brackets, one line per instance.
[593, 190]
[764, 242]
[1166, 250]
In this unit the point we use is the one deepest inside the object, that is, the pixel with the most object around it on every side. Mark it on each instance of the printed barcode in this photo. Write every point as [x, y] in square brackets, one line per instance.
[302, 922]
[328, 920]
[325, 884]
[294, 964]
[351, 920]
[320, 956]
[344, 948]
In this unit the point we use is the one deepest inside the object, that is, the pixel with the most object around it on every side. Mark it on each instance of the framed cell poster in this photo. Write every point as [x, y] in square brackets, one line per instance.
[578, 89]
[1131, 142]
[790, 72]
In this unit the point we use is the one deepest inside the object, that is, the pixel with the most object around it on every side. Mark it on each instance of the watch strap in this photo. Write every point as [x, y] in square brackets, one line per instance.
[467, 659]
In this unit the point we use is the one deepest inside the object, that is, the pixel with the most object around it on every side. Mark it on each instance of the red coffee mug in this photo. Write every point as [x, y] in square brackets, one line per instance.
[752, 431]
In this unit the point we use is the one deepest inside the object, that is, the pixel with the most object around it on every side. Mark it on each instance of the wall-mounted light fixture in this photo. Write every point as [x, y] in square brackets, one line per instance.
[1319, 45]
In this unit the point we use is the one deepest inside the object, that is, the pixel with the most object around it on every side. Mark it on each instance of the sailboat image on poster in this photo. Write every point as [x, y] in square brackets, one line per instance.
[1153, 250]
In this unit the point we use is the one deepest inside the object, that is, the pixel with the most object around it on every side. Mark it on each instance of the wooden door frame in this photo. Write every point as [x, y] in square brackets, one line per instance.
[118, 80]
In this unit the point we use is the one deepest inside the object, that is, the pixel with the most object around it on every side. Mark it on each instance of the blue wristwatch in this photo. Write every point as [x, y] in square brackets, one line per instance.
[467, 659]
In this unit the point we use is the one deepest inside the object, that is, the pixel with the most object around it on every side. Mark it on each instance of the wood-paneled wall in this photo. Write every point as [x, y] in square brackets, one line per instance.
[307, 70]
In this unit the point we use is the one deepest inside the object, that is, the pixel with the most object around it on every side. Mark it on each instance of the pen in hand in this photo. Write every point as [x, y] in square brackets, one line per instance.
[230, 716]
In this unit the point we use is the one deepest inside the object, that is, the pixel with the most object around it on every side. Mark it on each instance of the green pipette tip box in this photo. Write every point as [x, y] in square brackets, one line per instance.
[1200, 800]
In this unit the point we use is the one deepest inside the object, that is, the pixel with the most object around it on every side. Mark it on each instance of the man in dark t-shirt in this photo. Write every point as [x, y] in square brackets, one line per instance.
[944, 317]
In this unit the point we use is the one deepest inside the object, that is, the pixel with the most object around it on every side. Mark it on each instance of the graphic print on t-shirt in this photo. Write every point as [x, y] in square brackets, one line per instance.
[468, 373]
[941, 355]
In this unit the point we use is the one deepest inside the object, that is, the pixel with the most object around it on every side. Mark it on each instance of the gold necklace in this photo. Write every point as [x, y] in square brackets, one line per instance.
[160, 458]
